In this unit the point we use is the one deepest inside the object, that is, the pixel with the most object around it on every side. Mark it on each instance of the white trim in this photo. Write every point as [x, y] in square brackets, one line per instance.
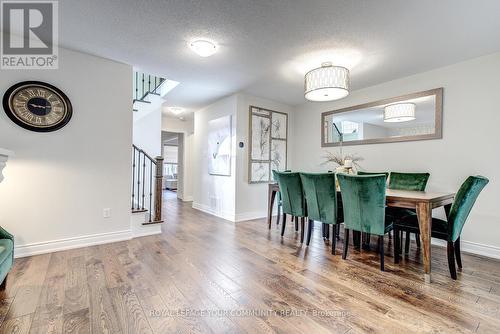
[473, 248]
[244, 216]
[187, 198]
[70, 243]
[210, 211]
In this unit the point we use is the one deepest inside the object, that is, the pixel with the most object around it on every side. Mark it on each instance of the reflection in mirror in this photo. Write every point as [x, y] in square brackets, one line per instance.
[405, 118]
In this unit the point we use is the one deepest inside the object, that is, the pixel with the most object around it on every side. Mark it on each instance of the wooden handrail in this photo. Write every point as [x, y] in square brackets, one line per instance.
[147, 155]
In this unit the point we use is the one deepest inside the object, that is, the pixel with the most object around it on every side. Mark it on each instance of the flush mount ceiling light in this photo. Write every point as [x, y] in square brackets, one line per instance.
[203, 48]
[176, 110]
[399, 112]
[326, 83]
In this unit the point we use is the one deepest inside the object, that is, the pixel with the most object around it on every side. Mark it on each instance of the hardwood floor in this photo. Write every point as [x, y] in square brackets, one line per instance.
[244, 278]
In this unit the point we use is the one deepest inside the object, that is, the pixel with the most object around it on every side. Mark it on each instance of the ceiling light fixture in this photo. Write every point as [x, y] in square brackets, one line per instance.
[176, 110]
[203, 47]
[326, 83]
[399, 112]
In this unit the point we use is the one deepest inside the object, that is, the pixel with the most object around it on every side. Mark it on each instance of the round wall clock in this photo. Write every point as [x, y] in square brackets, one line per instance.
[37, 106]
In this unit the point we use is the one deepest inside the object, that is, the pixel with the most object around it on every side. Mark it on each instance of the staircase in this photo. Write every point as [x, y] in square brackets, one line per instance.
[147, 180]
[145, 85]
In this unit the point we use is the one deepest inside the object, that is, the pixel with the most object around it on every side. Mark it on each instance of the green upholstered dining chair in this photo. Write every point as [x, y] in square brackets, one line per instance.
[366, 236]
[360, 172]
[321, 199]
[451, 228]
[278, 198]
[6, 256]
[406, 181]
[363, 197]
[292, 198]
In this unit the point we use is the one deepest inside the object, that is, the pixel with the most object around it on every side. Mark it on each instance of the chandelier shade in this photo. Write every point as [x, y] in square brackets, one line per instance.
[399, 112]
[326, 83]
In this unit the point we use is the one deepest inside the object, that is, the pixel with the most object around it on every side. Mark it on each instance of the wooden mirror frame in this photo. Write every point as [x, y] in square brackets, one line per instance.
[438, 134]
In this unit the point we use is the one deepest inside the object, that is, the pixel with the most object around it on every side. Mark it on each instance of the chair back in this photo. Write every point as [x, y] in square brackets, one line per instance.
[360, 172]
[463, 203]
[321, 196]
[408, 181]
[291, 193]
[363, 199]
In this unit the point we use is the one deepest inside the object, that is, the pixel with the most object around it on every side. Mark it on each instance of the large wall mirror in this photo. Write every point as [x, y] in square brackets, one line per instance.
[416, 116]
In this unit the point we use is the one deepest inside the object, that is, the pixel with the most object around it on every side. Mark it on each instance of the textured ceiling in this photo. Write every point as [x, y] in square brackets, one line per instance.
[266, 46]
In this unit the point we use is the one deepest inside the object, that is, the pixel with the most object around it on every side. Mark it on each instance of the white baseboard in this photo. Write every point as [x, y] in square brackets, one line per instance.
[187, 199]
[241, 217]
[473, 248]
[71, 243]
[209, 210]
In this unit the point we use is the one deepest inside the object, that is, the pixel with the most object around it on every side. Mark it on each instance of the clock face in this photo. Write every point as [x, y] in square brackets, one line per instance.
[37, 106]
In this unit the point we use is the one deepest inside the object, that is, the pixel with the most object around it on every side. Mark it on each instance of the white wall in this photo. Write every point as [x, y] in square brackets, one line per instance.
[469, 145]
[186, 128]
[214, 194]
[58, 183]
[251, 199]
[147, 133]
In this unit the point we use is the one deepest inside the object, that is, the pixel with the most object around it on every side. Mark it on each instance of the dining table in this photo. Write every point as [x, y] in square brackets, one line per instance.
[421, 201]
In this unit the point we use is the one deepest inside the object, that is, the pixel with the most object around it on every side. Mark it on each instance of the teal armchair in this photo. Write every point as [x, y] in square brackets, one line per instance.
[6, 256]
[363, 198]
[321, 199]
[292, 198]
[406, 181]
[451, 228]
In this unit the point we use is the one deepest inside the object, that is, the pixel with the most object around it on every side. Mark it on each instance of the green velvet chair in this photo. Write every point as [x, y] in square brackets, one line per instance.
[321, 198]
[292, 198]
[6, 256]
[450, 229]
[278, 198]
[406, 181]
[360, 172]
[363, 197]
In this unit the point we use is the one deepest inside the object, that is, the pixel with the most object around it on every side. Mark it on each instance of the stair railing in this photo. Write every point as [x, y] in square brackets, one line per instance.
[146, 193]
[145, 84]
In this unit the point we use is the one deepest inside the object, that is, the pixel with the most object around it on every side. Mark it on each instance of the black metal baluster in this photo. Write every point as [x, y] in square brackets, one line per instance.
[136, 85]
[138, 178]
[149, 83]
[143, 177]
[133, 178]
[143, 88]
[150, 188]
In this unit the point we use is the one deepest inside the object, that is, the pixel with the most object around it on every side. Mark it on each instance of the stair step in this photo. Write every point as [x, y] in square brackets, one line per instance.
[153, 222]
[142, 101]
[139, 210]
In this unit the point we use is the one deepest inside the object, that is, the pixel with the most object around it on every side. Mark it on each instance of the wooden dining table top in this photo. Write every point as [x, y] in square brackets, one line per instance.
[411, 195]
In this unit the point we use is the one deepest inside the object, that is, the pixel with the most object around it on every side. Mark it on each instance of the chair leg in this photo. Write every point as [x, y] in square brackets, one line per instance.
[327, 231]
[334, 239]
[283, 224]
[346, 243]
[4, 283]
[407, 242]
[451, 259]
[296, 223]
[396, 246]
[381, 251]
[337, 230]
[365, 241]
[458, 256]
[417, 239]
[309, 231]
[302, 226]
[356, 239]
[279, 215]
[390, 235]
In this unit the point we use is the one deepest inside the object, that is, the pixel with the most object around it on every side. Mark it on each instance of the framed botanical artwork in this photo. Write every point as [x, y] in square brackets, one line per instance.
[268, 144]
[219, 146]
